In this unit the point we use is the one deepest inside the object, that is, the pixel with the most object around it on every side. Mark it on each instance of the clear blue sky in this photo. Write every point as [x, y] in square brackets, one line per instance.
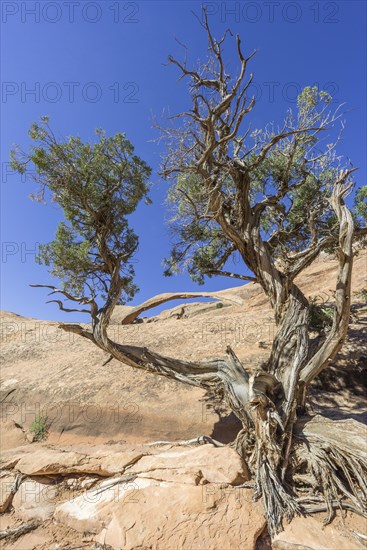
[101, 64]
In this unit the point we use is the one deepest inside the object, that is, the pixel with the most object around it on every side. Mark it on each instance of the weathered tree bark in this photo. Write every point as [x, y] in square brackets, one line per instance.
[294, 365]
[19, 530]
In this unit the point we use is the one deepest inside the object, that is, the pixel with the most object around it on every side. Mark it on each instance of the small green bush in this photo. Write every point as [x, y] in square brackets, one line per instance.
[39, 427]
[321, 316]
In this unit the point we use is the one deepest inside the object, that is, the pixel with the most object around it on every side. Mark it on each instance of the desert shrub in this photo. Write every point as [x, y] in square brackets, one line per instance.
[39, 427]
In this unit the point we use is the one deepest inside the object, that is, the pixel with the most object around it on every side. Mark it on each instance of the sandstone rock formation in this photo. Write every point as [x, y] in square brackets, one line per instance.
[97, 483]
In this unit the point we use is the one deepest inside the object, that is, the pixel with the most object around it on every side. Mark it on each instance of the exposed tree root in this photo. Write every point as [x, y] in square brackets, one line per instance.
[317, 508]
[335, 480]
[200, 440]
[278, 502]
[337, 474]
[326, 470]
[22, 529]
[244, 444]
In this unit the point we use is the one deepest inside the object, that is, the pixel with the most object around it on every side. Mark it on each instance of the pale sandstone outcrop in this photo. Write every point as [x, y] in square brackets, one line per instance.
[35, 500]
[191, 465]
[12, 434]
[175, 498]
[174, 516]
[44, 460]
[7, 480]
[147, 513]
[310, 534]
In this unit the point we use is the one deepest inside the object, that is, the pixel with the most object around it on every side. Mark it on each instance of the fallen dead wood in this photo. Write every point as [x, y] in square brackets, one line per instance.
[19, 530]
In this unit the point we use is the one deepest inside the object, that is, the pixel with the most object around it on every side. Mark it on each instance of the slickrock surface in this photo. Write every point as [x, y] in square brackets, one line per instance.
[170, 497]
[95, 482]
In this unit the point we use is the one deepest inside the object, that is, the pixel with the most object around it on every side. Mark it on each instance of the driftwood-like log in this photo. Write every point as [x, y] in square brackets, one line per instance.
[19, 530]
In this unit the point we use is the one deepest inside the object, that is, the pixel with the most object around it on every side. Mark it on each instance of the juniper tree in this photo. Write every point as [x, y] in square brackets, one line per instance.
[97, 185]
[275, 197]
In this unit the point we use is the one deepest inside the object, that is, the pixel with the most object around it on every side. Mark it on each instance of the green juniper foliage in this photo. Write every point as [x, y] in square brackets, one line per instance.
[97, 185]
[361, 204]
[299, 171]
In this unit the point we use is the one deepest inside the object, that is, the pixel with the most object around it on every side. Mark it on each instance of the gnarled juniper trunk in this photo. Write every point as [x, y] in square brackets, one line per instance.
[277, 391]
[274, 403]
